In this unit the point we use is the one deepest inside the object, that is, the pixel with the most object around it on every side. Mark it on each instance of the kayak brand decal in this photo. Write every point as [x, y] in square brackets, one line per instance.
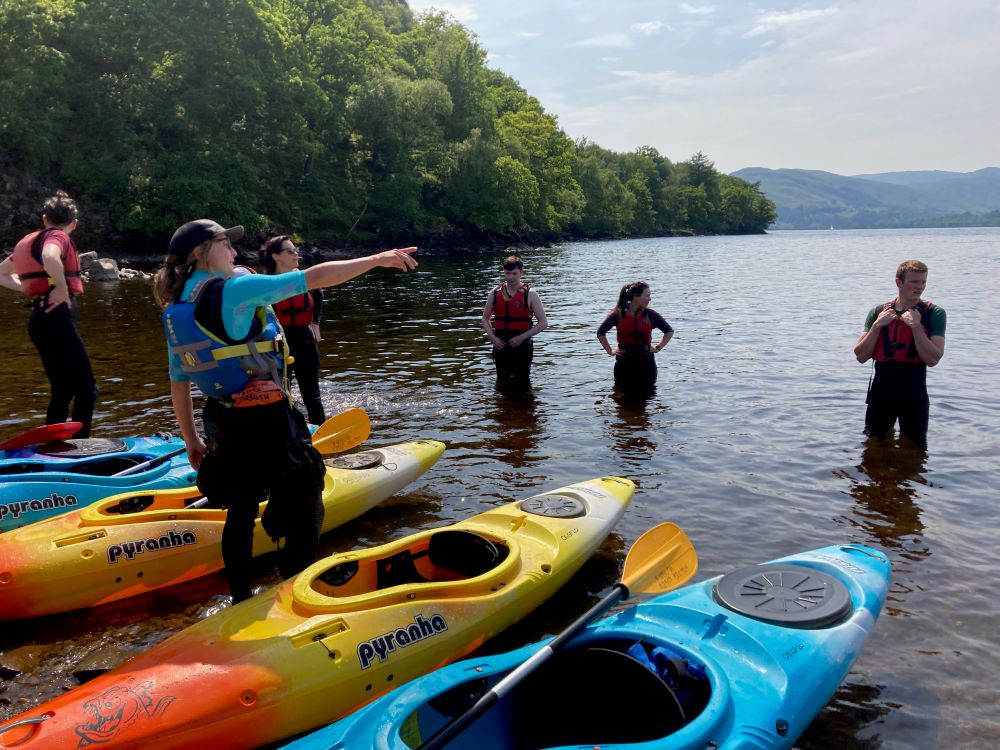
[116, 709]
[840, 562]
[151, 544]
[383, 645]
[17, 508]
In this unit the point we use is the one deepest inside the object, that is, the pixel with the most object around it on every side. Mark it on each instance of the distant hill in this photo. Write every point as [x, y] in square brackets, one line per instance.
[811, 199]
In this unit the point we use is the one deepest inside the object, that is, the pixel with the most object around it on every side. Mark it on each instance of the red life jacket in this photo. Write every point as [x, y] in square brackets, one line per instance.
[896, 344]
[511, 314]
[295, 312]
[27, 259]
[634, 330]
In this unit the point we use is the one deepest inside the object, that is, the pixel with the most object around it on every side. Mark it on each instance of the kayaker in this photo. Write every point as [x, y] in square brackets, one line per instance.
[45, 266]
[223, 337]
[507, 320]
[299, 317]
[634, 321]
[904, 337]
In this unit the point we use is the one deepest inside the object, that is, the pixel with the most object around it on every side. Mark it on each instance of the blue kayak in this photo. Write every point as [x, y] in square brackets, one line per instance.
[743, 661]
[41, 481]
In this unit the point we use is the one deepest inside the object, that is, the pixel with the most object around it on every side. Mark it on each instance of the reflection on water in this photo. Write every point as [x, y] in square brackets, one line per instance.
[887, 509]
[752, 443]
[516, 440]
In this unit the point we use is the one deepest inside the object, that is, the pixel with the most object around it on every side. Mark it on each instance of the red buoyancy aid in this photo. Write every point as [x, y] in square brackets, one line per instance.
[27, 259]
[634, 330]
[896, 344]
[296, 311]
[511, 314]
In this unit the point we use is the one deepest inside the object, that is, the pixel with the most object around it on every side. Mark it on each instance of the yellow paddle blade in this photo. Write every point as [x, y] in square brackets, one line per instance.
[342, 431]
[661, 559]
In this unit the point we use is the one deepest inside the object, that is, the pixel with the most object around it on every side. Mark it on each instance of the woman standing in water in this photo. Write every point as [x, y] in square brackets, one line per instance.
[223, 337]
[633, 321]
[299, 317]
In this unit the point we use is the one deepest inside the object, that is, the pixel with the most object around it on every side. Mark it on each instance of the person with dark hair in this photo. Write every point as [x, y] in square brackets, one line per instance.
[904, 337]
[46, 267]
[223, 336]
[634, 321]
[299, 317]
[508, 321]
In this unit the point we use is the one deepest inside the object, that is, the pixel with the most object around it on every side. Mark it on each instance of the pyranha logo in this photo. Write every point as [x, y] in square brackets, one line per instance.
[153, 544]
[116, 709]
[16, 508]
[386, 643]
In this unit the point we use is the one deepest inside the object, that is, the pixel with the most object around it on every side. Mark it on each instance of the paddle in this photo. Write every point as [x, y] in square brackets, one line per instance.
[339, 433]
[150, 463]
[342, 431]
[43, 434]
[660, 560]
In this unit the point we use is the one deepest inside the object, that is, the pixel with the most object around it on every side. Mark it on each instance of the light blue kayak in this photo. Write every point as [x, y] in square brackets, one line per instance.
[743, 661]
[41, 481]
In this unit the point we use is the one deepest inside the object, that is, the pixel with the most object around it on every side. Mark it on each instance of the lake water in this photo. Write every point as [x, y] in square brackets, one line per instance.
[753, 443]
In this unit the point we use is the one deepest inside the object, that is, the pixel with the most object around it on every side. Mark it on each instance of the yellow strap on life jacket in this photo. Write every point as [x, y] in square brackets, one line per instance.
[243, 350]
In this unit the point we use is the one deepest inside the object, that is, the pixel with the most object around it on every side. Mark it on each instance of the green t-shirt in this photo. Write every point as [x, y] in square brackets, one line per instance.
[938, 322]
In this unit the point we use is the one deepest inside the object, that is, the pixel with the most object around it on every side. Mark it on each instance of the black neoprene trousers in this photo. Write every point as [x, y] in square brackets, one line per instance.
[66, 364]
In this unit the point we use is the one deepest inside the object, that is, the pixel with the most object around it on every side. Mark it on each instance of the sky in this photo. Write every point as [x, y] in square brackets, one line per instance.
[849, 87]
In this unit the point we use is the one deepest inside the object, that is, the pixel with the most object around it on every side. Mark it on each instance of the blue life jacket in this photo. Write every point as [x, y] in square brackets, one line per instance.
[219, 365]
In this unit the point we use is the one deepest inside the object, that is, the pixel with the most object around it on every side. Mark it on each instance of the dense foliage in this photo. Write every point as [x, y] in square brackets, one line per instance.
[350, 120]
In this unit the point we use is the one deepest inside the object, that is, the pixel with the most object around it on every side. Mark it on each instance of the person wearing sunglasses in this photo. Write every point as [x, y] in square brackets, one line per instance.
[223, 336]
[512, 316]
[299, 316]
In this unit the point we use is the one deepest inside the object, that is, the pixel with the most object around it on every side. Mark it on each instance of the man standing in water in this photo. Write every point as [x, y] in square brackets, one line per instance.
[507, 320]
[904, 336]
[45, 267]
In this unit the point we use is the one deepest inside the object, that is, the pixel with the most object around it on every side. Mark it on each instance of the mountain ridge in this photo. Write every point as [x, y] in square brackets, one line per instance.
[816, 199]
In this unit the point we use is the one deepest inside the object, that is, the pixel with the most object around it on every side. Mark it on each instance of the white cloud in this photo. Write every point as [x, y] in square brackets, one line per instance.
[846, 87]
[697, 10]
[651, 28]
[528, 34]
[607, 40]
[769, 21]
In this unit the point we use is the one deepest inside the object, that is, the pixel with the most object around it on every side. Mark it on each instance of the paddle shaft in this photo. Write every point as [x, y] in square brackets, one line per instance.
[448, 732]
[150, 463]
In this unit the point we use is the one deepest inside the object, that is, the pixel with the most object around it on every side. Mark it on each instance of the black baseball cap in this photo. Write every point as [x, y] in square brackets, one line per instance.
[192, 234]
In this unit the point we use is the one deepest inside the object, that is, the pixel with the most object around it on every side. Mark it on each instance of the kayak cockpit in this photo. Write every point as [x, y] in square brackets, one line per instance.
[436, 562]
[605, 692]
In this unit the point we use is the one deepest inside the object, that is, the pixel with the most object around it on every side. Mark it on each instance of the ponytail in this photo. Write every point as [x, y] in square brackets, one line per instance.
[626, 294]
[169, 281]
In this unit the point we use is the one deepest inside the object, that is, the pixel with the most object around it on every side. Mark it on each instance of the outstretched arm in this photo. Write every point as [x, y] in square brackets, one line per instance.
[336, 272]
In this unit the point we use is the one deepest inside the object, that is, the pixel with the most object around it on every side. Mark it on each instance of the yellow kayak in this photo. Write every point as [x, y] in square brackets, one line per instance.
[341, 633]
[130, 544]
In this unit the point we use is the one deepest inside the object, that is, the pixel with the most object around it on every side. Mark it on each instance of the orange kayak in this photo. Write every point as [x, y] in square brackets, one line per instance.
[131, 544]
[337, 636]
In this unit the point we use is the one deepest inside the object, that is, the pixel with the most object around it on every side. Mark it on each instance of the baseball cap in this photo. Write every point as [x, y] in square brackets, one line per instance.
[192, 234]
